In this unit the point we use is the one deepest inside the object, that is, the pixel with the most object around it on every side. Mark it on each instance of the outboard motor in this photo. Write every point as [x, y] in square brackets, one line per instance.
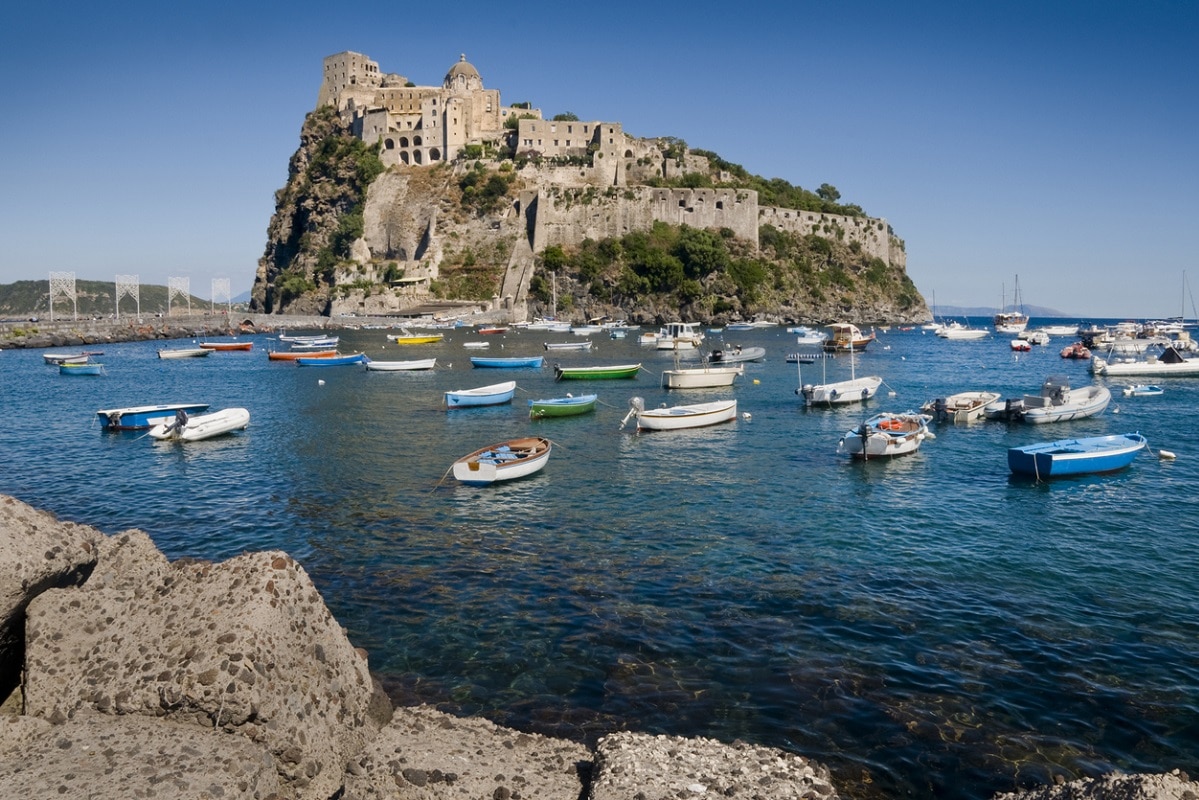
[941, 409]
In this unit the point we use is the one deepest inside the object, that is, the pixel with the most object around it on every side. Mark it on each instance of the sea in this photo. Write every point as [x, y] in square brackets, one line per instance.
[924, 626]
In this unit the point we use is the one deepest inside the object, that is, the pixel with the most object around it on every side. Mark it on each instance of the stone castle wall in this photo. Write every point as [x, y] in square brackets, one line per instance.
[873, 234]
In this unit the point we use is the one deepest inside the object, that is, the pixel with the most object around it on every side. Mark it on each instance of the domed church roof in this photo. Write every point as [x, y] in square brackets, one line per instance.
[463, 75]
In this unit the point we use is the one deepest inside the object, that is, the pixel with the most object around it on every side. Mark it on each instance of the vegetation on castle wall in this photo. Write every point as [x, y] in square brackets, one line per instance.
[484, 191]
[713, 273]
[778, 192]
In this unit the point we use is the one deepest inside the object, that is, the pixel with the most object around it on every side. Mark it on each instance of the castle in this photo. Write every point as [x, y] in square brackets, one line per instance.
[419, 126]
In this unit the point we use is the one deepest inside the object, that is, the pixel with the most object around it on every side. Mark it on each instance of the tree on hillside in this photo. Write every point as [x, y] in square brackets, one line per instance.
[828, 192]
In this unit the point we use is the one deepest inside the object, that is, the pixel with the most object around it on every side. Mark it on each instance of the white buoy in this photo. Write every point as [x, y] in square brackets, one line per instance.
[320, 382]
[1165, 455]
[745, 415]
[891, 393]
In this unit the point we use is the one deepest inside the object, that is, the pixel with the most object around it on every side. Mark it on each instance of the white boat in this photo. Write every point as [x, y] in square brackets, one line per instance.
[807, 336]
[399, 366]
[1059, 330]
[705, 377]
[183, 352]
[679, 336]
[1170, 362]
[196, 428]
[956, 331]
[476, 345]
[1034, 337]
[846, 338]
[886, 434]
[854, 390]
[960, 407]
[1014, 320]
[583, 345]
[503, 461]
[1057, 402]
[492, 395]
[737, 353]
[1143, 390]
[1021, 345]
[671, 418]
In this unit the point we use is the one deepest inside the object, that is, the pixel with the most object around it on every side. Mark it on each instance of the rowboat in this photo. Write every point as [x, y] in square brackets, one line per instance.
[503, 461]
[507, 363]
[185, 428]
[476, 345]
[183, 352]
[70, 358]
[323, 343]
[1143, 390]
[136, 417]
[69, 368]
[1076, 456]
[292, 355]
[1057, 402]
[400, 366]
[331, 361]
[415, 338]
[585, 344]
[567, 406]
[673, 418]
[227, 346]
[960, 407]
[492, 330]
[493, 395]
[886, 434]
[700, 377]
[596, 373]
[303, 339]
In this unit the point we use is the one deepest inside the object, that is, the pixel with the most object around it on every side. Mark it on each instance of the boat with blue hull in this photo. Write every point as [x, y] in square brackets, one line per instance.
[138, 417]
[332, 361]
[493, 395]
[517, 362]
[1085, 456]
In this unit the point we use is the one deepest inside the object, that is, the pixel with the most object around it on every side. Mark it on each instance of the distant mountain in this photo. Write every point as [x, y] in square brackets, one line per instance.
[989, 311]
[23, 299]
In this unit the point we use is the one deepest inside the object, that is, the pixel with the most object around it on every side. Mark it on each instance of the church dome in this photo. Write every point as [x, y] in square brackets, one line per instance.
[463, 75]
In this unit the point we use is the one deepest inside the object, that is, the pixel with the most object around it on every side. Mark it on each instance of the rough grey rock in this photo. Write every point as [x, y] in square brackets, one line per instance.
[637, 765]
[99, 756]
[37, 552]
[1174, 785]
[425, 754]
[247, 646]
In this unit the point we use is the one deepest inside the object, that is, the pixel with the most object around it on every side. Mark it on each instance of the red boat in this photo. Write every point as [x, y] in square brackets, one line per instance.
[292, 355]
[1076, 350]
[492, 330]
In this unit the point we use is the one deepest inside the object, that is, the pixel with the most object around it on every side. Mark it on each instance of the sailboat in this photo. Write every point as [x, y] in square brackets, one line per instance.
[854, 390]
[1013, 321]
[933, 325]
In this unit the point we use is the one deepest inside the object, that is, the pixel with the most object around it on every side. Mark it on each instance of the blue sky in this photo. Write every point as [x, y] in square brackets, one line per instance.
[1051, 140]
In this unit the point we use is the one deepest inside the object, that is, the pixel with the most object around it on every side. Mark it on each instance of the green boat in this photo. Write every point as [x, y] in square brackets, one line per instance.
[596, 373]
[562, 406]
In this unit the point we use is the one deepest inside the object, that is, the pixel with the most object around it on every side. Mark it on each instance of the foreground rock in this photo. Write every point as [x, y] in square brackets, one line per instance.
[1174, 785]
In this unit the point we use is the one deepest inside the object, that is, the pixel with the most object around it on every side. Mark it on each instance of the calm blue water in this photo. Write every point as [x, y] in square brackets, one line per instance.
[926, 626]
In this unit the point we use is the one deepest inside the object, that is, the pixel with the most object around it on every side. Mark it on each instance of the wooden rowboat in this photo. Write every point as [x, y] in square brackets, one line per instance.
[292, 355]
[1076, 456]
[673, 418]
[227, 345]
[503, 461]
[508, 362]
[183, 352]
[400, 366]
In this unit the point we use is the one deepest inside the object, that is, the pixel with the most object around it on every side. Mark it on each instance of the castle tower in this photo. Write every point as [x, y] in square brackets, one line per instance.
[348, 75]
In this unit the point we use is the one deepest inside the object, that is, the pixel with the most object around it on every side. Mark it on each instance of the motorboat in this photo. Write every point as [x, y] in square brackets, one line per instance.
[960, 407]
[187, 428]
[1056, 402]
[886, 434]
[705, 377]
[846, 338]
[138, 417]
[669, 418]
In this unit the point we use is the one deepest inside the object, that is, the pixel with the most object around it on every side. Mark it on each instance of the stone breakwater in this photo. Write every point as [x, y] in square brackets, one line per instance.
[129, 676]
[93, 333]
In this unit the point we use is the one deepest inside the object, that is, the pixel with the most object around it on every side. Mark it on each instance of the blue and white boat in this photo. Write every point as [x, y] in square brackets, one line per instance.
[89, 368]
[1076, 456]
[507, 363]
[137, 417]
[332, 361]
[493, 395]
[1143, 390]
